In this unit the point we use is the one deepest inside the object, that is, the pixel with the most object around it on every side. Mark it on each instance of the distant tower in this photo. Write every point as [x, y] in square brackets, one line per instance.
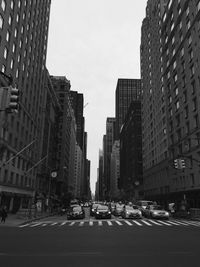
[127, 90]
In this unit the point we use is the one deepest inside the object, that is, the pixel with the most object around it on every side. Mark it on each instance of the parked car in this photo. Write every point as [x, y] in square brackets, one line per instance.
[76, 212]
[156, 212]
[102, 212]
[118, 209]
[142, 204]
[93, 209]
[131, 212]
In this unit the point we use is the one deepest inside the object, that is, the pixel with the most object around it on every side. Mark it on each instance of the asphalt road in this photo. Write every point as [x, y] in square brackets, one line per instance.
[109, 245]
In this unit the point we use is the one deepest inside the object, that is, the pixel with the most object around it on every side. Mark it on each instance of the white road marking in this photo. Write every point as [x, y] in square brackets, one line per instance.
[192, 223]
[145, 222]
[81, 223]
[100, 223]
[119, 223]
[54, 223]
[180, 222]
[63, 223]
[168, 224]
[24, 225]
[109, 223]
[90, 223]
[72, 223]
[137, 222]
[155, 222]
[36, 224]
[174, 223]
[127, 222]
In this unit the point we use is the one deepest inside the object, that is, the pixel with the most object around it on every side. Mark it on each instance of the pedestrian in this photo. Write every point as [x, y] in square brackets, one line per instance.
[3, 214]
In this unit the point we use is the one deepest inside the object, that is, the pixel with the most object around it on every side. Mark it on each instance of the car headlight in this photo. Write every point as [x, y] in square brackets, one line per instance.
[167, 213]
[109, 212]
[139, 212]
[127, 212]
[97, 212]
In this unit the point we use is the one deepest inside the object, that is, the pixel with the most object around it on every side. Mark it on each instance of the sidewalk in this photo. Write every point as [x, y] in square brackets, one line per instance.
[17, 219]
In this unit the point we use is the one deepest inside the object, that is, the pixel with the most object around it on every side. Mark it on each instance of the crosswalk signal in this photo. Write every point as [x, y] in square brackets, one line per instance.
[13, 100]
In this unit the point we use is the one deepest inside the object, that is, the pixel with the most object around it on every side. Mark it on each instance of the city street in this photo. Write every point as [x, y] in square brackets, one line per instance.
[55, 241]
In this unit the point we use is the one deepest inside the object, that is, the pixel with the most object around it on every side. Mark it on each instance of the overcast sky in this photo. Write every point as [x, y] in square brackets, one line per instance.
[93, 43]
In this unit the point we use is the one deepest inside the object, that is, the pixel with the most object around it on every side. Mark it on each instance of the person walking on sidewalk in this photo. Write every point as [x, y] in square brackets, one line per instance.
[4, 214]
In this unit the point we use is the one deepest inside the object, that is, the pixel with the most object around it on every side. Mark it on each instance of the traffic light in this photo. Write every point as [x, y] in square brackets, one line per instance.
[12, 99]
[176, 163]
[182, 163]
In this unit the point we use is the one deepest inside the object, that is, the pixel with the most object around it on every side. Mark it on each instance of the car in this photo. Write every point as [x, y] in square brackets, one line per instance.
[118, 209]
[142, 204]
[131, 212]
[102, 212]
[156, 212]
[76, 212]
[93, 209]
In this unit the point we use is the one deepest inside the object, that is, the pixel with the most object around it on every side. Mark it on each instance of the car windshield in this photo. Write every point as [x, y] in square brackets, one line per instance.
[135, 207]
[156, 207]
[102, 208]
[129, 208]
[77, 209]
[94, 206]
[146, 203]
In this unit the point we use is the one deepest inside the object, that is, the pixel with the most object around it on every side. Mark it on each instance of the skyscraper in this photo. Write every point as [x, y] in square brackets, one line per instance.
[170, 78]
[23, 45]
[127, 90]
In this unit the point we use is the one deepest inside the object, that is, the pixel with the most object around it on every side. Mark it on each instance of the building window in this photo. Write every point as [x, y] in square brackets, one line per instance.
[10, 20]
[11, 63]
[12, 4]
[192, 70]
[8, 36]
[5, 53]
[15, 33]
[194, 104]
[14, 48]
[177, 105]
[3, 5]
[1, 22]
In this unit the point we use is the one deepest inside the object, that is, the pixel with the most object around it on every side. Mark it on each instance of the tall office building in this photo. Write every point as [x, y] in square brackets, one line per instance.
[181, 74]
[23, 44]
[170, 44]
[127, 90]
[131, 177]
[107, 150]
[154, 117]
[77, 101]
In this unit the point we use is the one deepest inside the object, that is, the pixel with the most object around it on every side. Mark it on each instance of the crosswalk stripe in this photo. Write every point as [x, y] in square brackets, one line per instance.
[81, 223]
[24, 225]
[192, 223]
[174, 223]
[168, 224]
[35, 224]
[54, 223]
[119, 223]
[127, 222]
[109, 223]
[180, 222]
[137, 223]
[44, 224]
[100, 223]
[156, 223]
[145, 222]
[63, 223]
[90, 223]
[72, 223]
